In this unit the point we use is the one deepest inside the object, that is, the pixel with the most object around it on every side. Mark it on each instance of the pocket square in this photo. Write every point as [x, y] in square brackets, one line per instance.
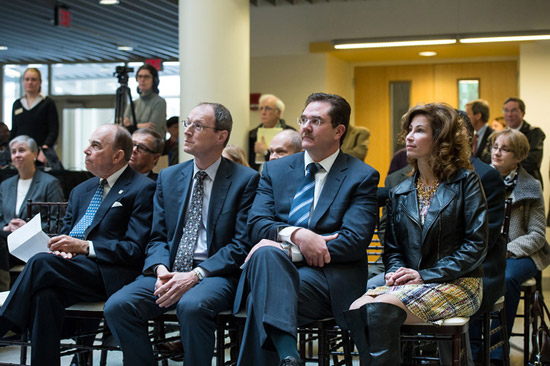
[117, 204]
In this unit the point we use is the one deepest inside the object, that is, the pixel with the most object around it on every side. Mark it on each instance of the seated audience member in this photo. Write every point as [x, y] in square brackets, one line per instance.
[498, 124]
[149, 108]
[356, 142]
[5, 157]
[441, 277]
[236, 154]
[514, 111]
[478, 114]
[101, 248]
[318, 209]
[286, 142]
[271, 111]
[171, 145]
[148, 145]
[29, 183]
[198, 241]
[399, 161]
[527, 249]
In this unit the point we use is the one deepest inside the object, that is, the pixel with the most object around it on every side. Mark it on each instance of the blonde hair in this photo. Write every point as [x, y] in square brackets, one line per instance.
[516, 141]
[236, 154]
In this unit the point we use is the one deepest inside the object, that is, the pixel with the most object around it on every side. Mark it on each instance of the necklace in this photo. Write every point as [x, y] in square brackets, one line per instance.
[425, 195]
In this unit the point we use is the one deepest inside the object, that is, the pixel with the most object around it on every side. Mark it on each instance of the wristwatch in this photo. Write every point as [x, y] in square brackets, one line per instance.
[287, 246]
[198, 273]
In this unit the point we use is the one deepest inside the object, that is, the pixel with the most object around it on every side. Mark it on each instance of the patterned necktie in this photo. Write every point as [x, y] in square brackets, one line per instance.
[303, 199]
[79, 229]
[188, 242]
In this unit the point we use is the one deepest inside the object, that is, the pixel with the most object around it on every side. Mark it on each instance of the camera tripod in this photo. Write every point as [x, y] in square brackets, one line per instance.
[123, 94]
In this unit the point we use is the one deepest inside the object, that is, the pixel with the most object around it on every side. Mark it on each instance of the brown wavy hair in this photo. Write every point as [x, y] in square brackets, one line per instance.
[451, 150]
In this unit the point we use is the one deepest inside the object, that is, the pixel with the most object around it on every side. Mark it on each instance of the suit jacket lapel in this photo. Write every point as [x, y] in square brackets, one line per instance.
[332, 185]
[220, 187]
[295, 173]
[30, 193]
[11, 199]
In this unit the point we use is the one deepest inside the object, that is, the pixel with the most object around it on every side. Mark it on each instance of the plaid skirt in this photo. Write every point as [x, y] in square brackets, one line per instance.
[436, 301]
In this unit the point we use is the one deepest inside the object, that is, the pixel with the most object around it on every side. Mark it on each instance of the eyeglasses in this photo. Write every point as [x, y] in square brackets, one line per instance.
[144, 77]
[196, 125]
[503, 149]
[314, 121]
[143, 149]
[266, 108]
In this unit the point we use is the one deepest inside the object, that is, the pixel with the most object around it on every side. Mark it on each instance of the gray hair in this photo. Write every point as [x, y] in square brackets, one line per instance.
[158, 142]
[278, 103]
[26, 139]
[294, 138]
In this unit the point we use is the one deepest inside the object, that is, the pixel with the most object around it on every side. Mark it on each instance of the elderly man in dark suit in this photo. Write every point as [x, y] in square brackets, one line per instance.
[198, 241]
[102, 248]
[312, 219]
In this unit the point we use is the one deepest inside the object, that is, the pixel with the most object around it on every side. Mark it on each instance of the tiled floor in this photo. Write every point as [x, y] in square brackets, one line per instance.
[11, 354]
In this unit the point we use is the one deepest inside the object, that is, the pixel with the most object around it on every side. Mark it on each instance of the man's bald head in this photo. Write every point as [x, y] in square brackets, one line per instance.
[286, 142]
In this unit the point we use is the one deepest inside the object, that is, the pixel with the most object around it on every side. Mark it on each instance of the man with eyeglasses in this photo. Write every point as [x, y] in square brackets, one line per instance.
[148, 145]
[514, 111]
[198, 241]
[271, 110]
[312, 220]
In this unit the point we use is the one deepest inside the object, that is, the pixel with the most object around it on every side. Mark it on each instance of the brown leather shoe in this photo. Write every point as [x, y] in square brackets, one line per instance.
[173, 348]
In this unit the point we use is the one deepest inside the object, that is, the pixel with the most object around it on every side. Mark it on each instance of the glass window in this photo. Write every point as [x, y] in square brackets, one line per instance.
[468, 90]
[13, 86]
[84, 79]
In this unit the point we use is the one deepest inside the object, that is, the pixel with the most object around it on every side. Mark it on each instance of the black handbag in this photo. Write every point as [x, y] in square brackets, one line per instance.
[540, 355]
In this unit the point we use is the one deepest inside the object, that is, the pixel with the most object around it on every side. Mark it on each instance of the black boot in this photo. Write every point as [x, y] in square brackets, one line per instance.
[384, 323]
[357, 324]
[376, 330]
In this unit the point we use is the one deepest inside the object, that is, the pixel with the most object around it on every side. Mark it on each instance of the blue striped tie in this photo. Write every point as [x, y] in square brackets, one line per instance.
[303, 199]
[79, 229]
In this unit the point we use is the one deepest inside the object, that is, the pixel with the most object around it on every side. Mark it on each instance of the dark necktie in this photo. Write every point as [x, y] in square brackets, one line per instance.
[79, 229]
[303, 199]
[188, 242]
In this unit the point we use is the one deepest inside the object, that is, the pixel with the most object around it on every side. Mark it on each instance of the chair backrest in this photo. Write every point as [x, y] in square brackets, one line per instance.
[506, 223]
[51, 213]
[374, 251]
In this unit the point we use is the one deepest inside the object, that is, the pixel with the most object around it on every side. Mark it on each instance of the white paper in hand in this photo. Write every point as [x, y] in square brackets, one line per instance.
[28, 240]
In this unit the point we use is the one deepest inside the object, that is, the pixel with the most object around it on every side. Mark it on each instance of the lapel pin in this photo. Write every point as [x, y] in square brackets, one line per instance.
[120, 192]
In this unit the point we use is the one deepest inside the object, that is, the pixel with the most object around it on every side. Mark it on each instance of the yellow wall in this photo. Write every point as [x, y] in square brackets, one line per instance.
[429, 83]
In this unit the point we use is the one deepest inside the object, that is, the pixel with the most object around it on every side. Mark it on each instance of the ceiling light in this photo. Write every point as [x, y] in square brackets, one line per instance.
[3, 48]
[343, 45]
[125, 48]
[519, 38]
[108, 2]
[427, 53]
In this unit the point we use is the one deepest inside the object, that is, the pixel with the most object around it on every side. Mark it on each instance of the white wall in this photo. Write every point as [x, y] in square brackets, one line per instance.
[534, 89]
[288, 30]
[290, 77]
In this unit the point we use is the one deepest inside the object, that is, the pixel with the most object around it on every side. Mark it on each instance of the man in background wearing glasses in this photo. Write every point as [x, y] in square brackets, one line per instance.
[148, 145]
[271, 110]
[312, 220]
[198, 241]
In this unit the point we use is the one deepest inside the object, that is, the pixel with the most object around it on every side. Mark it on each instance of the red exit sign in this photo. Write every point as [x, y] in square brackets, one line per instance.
[62, 16]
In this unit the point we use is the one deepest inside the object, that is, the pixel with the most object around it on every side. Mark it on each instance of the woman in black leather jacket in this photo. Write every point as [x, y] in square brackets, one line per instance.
[435, 240]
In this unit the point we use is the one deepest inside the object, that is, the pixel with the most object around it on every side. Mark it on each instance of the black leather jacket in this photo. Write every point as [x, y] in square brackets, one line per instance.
[453, 241]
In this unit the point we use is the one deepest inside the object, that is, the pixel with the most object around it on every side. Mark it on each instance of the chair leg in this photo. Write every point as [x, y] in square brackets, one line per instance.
[528, 305]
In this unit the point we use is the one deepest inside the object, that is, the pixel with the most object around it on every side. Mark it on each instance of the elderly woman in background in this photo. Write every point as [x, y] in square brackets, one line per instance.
[527, 250]
[150, 108]
[435, 239]
[235, 154]
[33, 114]
[29, 183]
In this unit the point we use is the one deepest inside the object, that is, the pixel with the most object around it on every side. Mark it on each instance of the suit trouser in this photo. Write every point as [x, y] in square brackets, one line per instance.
[37, 301]
[128, 311]
[280, 296]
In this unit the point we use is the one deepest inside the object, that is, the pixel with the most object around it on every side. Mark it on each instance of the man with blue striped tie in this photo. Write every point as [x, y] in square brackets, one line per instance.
[105, 231]
[312, 219]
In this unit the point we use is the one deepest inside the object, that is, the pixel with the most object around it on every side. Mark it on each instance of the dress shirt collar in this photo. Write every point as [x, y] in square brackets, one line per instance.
[111, 180]
[325, 163]
[210, 171]
[481, 131]
[36, 100]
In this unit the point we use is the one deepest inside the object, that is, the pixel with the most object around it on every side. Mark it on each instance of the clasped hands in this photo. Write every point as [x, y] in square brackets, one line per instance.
[403, 276]
[67, 247]
[171, 286]
[14, 224]
[312, 246]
